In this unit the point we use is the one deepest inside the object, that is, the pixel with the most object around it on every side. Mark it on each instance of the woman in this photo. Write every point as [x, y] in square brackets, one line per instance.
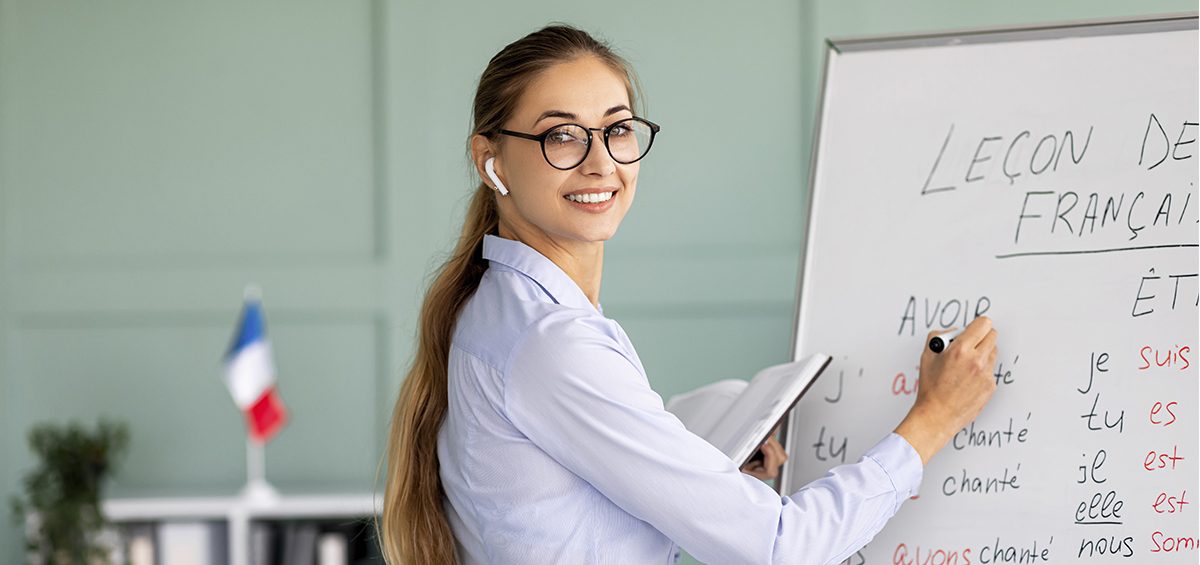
[526, 430]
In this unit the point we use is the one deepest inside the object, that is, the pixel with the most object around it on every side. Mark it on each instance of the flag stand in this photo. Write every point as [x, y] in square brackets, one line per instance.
[257, 490]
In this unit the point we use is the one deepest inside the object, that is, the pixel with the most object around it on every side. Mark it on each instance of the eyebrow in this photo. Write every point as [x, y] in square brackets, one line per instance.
[570, 116]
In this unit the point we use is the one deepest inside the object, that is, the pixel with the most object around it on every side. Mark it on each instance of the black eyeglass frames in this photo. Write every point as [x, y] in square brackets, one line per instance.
[565, 146]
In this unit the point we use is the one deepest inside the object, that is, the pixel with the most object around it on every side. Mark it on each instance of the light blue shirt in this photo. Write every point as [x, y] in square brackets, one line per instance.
[556, 450]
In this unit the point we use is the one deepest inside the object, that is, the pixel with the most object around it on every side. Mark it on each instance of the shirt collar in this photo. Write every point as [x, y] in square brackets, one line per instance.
[531, 263]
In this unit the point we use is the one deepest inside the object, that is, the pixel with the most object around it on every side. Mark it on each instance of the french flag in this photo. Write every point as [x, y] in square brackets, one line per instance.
[250, 374]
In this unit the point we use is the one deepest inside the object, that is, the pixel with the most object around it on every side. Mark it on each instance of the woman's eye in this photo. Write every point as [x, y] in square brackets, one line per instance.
[619, 131]
[561, 137]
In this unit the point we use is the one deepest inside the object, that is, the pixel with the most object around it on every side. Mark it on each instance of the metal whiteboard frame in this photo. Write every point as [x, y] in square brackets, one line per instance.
[833, 47]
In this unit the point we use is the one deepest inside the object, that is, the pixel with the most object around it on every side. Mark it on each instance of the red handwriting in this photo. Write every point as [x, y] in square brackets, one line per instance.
[927, 556]
[1158, 420]
[1155, 460]
[901, 386]
[1171, 357]
[1168, 544]
[1165, 504]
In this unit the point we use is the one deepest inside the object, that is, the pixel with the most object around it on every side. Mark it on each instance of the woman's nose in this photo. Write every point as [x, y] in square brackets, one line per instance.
[598, 161]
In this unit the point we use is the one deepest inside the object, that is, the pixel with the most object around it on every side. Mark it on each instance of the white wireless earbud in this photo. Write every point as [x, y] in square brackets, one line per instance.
[491, 173]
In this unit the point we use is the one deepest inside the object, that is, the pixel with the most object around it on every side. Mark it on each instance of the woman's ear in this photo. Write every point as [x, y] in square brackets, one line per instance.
[484, 156]
[481, 151]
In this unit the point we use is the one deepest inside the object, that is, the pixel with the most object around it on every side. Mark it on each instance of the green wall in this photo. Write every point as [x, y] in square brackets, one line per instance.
[154, 158]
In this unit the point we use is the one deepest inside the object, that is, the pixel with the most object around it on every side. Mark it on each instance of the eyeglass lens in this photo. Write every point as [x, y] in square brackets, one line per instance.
[566, 146]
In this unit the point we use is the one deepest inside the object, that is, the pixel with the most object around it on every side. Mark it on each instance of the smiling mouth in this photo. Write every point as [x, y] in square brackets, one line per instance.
[591, 197]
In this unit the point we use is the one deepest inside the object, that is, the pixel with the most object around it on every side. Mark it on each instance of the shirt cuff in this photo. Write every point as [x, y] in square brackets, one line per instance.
[902, 464]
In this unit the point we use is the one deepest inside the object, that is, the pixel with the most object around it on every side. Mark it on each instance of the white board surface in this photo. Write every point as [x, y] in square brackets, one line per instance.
[1046, 179]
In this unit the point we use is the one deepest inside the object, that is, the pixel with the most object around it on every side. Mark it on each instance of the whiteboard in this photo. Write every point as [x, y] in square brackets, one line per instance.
[1045, 177]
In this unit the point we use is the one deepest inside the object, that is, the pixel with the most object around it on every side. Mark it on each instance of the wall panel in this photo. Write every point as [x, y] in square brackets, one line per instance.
[189, 134]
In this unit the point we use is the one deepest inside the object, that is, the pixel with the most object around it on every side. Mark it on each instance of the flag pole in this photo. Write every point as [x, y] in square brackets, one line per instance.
[257, 490]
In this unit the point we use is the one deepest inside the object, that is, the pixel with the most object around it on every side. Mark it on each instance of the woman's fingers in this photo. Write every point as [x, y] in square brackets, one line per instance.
[773, 457]
[988, 343]
[755, 470]
[779, 452]
[976, 331]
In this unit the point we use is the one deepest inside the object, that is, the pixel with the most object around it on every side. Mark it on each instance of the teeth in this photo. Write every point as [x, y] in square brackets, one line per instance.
[590, 198]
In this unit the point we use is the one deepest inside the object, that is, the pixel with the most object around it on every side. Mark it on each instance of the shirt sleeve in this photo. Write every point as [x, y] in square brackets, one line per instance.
[572, 392]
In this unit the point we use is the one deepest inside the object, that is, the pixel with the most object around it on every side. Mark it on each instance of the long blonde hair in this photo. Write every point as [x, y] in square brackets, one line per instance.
[414, 527]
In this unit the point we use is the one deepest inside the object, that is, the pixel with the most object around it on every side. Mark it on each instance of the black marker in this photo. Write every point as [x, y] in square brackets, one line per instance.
[940, 342]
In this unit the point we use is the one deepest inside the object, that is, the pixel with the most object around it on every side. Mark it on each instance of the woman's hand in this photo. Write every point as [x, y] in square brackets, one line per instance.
[955, 385]
[773, 458]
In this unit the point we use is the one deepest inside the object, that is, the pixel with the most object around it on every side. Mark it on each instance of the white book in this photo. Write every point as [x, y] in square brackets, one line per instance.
[190, 543]
[332, 549]
[737, 416]
[141, 548]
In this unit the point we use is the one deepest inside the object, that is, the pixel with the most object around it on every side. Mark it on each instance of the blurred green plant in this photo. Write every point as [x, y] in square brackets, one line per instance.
[63, 490]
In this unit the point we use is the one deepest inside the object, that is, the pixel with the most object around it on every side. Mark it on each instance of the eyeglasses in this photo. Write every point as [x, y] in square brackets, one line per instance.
[565, 146]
